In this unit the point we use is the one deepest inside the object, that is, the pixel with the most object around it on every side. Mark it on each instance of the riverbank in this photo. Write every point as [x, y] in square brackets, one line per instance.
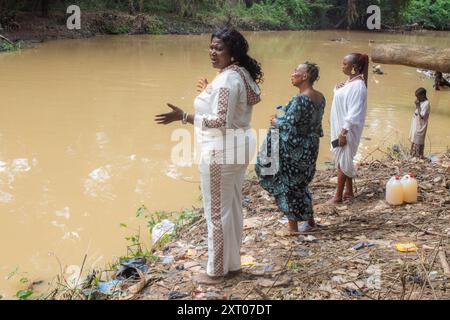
[354, 255]
[27, 29]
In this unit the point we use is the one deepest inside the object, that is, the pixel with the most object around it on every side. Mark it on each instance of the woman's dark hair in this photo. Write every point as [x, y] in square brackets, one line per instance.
[421, 92]
[361, 63]
[238, 48]
[313, 71]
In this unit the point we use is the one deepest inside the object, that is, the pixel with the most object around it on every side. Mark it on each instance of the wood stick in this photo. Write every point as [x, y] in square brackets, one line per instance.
[431, 267]
[444, 263]
[282, 271]
[6, 39]
[429, 232]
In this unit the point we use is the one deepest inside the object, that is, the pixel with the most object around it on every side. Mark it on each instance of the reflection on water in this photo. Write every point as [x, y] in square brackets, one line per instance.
[79, 151]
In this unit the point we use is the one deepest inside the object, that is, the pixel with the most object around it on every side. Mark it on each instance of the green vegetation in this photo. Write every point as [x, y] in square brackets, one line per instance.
[431, 14]
[120, 29]
[9, 46]
[251, 14]
[24, 294]
[135, 247]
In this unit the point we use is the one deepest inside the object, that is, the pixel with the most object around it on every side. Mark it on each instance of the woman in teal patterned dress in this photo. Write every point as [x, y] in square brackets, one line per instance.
[299, 129]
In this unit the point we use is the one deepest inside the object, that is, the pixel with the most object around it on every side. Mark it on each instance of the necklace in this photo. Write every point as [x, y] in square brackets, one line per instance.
[340, 85]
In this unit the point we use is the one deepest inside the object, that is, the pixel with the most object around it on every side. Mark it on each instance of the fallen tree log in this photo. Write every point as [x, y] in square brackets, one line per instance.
[412, 56]
[6, 39]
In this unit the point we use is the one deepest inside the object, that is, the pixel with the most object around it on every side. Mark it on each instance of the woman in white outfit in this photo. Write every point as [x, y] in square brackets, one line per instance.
[348, 114]
[223, 111]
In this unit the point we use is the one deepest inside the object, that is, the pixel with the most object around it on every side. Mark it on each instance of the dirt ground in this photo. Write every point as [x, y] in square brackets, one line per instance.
[352, 256]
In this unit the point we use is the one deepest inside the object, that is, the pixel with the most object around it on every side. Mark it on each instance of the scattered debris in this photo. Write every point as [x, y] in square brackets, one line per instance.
[362, 245]
[268, 283]
[109, 287]
[406, 247]
[130, 269]
[358, 254]
[377, 69]
[352, 292]
[174, 295]
[161, 229]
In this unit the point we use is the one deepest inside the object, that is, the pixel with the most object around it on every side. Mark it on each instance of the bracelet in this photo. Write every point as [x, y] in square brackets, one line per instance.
[185, 116]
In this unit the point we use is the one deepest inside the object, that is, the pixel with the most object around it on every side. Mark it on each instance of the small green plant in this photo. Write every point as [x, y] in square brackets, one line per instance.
[24, 280]
[24, 294]
[186, 217]
[155, 218]
[295, 266]
[135, 249]
[9, 46]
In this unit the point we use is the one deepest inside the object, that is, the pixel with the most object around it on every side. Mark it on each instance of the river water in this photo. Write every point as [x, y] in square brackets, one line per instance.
[79, 151]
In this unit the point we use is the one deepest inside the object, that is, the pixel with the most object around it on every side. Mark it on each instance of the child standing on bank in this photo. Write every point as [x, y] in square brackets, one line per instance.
[419, 123]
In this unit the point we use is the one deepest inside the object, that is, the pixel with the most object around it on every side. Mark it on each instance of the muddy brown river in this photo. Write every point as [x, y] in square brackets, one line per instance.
[79, 151]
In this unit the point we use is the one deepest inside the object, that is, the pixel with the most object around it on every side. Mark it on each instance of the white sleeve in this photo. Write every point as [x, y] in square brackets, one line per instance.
[224, 102]
[357, 102]
[425, 110]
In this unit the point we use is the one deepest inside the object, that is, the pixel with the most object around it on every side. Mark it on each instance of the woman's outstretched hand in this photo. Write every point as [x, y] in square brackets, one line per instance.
[202, 84]
[165, 118]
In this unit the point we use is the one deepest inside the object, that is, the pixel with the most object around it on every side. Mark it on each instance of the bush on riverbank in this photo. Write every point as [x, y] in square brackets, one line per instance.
[245, 14]
[429, 14]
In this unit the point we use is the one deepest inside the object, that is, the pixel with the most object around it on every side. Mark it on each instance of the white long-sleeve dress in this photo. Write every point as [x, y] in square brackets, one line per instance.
[419, 124]
[223, 111]
[349, 112]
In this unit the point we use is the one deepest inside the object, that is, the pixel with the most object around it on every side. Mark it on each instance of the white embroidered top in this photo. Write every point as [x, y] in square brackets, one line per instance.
[226, 103]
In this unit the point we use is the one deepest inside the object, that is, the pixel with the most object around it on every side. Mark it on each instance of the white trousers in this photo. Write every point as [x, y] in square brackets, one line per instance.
[222, 201]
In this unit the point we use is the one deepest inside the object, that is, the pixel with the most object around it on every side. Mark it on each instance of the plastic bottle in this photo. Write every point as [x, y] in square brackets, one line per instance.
[394, 191]
[161, 229]
[410, 185]
[280, 112]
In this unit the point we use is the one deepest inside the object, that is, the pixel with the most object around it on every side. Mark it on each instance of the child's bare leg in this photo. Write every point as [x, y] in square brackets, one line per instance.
[348, 188]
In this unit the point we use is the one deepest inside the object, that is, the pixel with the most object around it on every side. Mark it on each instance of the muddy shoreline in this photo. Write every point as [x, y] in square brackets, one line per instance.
[30, 29]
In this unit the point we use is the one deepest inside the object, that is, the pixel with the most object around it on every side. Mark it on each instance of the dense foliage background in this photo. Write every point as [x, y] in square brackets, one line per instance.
[262, 14]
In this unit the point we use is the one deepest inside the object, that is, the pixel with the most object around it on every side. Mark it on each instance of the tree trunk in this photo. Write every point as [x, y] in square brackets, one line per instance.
[412, 56]
[44, 8]
[352, 12]
[131, 7]
[248, 3]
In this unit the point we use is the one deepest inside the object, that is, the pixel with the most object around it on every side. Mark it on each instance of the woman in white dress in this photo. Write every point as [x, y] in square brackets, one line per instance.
[223, 110]
[348, 114]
